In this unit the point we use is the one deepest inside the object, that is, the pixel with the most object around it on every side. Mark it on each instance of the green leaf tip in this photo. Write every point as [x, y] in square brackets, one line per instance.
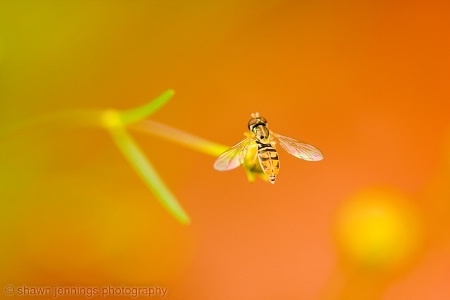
[137, 114]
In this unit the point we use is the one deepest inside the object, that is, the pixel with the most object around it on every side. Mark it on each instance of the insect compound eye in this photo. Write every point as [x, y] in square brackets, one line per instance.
[252, 123]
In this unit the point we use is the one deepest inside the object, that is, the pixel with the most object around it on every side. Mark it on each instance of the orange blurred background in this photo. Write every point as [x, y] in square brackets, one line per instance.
[365, 82]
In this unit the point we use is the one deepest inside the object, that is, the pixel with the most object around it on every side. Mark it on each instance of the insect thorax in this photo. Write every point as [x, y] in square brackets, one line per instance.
[262, 134]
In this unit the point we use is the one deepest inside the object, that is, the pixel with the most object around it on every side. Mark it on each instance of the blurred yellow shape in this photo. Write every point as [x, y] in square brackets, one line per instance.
[380, 235]
[379, 230]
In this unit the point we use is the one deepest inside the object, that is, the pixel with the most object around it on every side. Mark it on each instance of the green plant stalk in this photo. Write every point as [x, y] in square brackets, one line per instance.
[180, 137]
[116, 122]
[147, 172]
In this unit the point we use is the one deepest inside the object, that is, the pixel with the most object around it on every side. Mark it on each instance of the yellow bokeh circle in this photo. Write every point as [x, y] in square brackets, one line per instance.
[379, 229]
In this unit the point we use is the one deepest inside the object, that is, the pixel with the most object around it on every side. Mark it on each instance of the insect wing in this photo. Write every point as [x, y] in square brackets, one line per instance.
[233, 157]
[298, 149]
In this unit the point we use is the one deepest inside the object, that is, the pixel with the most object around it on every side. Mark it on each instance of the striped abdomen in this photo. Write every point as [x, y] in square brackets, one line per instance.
[268, 159]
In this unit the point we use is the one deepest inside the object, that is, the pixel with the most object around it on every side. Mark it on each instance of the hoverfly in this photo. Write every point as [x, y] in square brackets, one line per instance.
[257, 151]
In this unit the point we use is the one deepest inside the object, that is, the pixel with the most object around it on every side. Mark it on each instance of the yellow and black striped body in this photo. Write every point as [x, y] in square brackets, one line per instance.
[267, 155]
[268, 159]
[257, 151]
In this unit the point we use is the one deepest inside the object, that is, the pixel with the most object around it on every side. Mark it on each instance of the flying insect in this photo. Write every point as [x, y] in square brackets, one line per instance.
[257, 151]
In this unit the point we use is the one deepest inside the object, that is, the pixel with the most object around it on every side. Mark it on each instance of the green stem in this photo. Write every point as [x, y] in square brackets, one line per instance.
[136, 114]
[148, 174]
[180, 137]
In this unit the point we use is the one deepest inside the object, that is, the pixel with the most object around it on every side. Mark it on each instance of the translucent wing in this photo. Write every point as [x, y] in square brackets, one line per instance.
[233, 157]
[298, 149]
